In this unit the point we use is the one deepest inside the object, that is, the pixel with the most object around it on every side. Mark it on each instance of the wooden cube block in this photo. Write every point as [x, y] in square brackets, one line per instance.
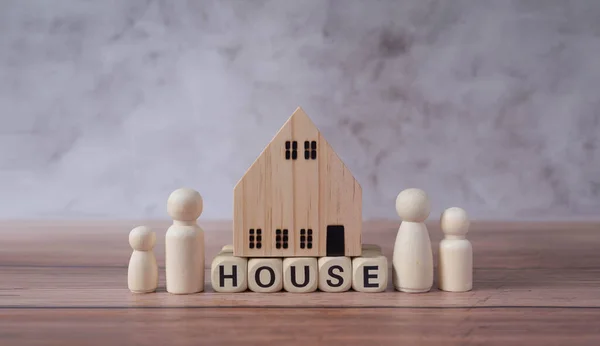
[335, 274]
[300, 274]
[370, 273]
[265, 275]
[226, 249]
[229, 273]
[371, 248]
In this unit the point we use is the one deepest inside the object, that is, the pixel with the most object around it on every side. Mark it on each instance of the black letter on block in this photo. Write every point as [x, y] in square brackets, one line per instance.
[222, 275]
[306, 278]
[367, 276]
[335, 276]
[257, 277]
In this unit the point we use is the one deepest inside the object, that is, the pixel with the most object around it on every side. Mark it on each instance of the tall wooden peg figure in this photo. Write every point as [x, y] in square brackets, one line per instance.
[455, 267]
[142, 273]
[413, 259]
[184, 243]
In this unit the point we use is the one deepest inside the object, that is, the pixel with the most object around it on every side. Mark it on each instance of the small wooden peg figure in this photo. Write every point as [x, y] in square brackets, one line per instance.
[413, 259]
[142, 273]
[184, 243]
[455, 267]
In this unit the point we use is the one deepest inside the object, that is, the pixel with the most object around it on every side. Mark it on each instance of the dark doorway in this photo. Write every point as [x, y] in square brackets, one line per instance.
[335, 240]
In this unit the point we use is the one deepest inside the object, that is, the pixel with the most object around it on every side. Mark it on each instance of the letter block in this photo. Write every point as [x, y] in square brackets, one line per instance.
[228, 273]
[371, 248]
[265, 275]
[370, 273]
[226, 249]
[335, 274]
[300, 274]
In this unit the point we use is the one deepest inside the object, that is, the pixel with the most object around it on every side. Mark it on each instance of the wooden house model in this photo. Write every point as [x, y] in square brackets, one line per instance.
[298, 199]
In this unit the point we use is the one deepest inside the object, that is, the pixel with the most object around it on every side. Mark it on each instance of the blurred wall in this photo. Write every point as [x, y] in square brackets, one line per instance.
[108, 106]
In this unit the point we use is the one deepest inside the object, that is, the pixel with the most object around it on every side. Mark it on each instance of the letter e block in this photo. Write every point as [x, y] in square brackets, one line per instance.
[335, 274]
[265, 275]
[370, 273]
[300, 274]
[228, 273]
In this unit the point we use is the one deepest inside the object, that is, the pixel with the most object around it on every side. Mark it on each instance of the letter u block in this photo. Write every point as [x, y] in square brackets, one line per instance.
[335, 274]
[228, 273]
[370, 272]
[265, 275]
[300, 274]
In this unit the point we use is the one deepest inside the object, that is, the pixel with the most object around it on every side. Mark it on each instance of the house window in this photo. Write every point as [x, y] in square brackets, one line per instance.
[306, 238]
[310, 150]
[291, 150]
[255, 238]
[281, 238]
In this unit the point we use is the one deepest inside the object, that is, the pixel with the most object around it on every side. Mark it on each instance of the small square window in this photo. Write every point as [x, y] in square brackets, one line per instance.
[281, 241]
[291, 150]
[310, 150]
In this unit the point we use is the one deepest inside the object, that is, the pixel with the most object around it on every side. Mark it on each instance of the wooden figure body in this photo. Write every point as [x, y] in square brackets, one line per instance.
[142, 272]
[184, 244]
[412, 259]
[298, 199]
[455, 267]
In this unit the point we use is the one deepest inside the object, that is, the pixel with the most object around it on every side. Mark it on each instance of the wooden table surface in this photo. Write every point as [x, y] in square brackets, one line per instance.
[65, 283]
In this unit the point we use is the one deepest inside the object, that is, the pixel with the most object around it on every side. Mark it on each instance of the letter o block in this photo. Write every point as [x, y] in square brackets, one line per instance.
[265, 275]
[300, 274]
[335, 274]
[228, 273]
[370, 273]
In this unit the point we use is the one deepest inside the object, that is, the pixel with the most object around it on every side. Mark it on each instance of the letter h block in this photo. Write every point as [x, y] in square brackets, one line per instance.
[300, 274]
[229, 273]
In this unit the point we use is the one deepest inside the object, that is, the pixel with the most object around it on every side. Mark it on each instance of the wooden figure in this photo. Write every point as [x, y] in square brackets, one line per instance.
[300, 274]
[229, 274]
[455, 267]
[184, 243]
[298, 199]
[413, 259]
[142, 273]
[335, 274]
[370, 271]
[265, 275]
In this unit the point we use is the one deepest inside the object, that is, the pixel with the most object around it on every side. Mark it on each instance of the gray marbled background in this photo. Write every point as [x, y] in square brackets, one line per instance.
[108, 106]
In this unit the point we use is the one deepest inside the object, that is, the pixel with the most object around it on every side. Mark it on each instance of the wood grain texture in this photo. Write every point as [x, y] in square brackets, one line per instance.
[534, 284]
[284, 190]
[235, 326]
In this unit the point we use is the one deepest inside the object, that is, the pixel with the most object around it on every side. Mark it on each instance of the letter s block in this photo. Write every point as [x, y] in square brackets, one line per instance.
[300, 274]
[335, 274]
[228, 273]
[265, 275]
[370, 273]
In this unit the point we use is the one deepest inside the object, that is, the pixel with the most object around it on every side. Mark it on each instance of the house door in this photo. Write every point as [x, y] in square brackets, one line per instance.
[335, 240]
